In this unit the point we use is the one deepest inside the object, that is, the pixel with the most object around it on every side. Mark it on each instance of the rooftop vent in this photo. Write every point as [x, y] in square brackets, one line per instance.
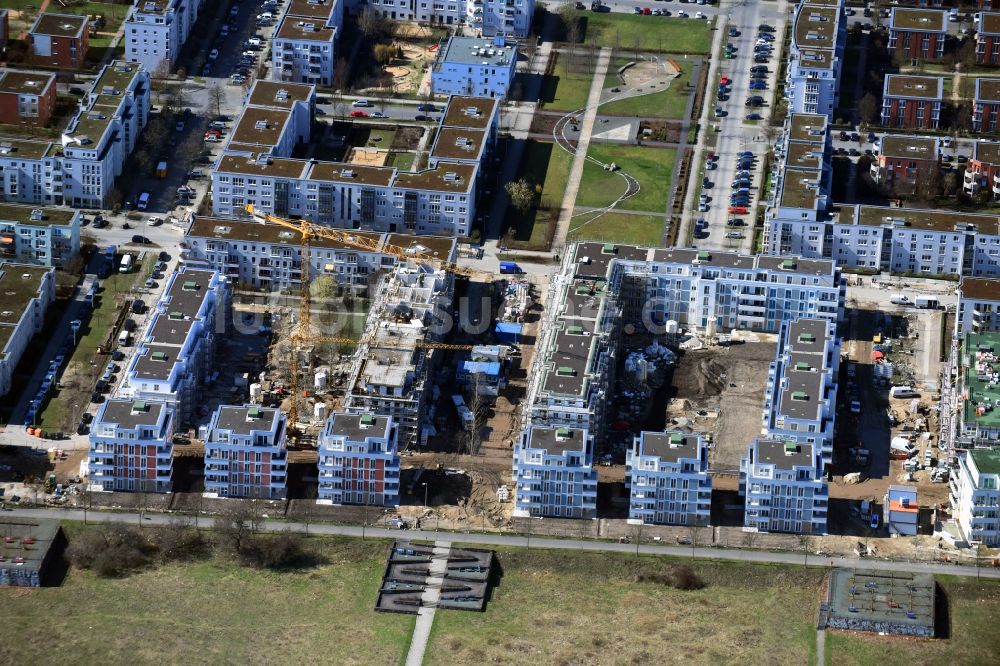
[221, 229]
[281, 95]
[791, 448]
[176, 315]
[563, 434]
[575, 329]
[473, 112]
[676, 439]
[788, 264]
[704, 256]
[367, 420]
[190, 285]
[800, 395]
[565, 371]
[37, 215]
[254, 413]
[347, 173]
[609, 248]
[451, 176]
[807, 337]
[139, 406]
[260, 124]
[159, 356]
[803, 366]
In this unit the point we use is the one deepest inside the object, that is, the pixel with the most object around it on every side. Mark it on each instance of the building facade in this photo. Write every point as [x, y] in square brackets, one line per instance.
[986, 105]
[904, 161]
[988, 38]
[784, 489]
[28, 292]
[901, 513]
[475, 67]
[554, 474]
[131, 447]
[42, 236]
[175, 352]
[979, 391]
[978, 309]
[511, 18]
[358, 462]
[917, 34]
[982, 172]
[912, 101]
[667, 477]
[245, 454]
[27, 98]
[800, 399]
[819, 36]
[304, 45]
[59, 41]
[156, 30]
[975, 496]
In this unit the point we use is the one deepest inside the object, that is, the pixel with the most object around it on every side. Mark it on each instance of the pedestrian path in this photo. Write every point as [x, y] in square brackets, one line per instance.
[428, 603]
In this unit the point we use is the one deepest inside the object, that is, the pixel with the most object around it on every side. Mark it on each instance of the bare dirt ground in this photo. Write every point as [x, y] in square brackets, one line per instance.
[720, 391]
[369, 156]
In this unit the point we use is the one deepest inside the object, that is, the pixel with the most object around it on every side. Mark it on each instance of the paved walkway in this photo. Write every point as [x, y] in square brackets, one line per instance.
[586, 128]
[820, 647]
[428, 603]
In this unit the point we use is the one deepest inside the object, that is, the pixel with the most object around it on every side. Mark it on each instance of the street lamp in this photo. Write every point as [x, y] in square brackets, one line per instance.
[424, 484]
[75, 408]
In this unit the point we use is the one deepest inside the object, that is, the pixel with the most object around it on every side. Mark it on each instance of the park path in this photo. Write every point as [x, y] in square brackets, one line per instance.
[428, 604]
[820, 647]
[587, 127]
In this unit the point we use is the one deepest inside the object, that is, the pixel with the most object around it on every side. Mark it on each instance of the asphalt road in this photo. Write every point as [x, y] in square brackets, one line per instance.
[739, 555]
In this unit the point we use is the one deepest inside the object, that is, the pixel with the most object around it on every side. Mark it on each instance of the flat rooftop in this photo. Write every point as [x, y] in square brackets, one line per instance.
[59, 25]
[987, 90]
[49, 216]
[298, 28]
[800, 188]
[981, 364]
[914, 87]
[987, 460]
[478, 51]
[19, 284]
[918, 20]
[25, 83]
[989, 23]
[555, 441]
[229, 229]
[453, 143]
[569, 358]
[42, 531]
[154, 6]
[280, 94]
[245, 419]
[469, 112]
[438, 247]
[187, 291]
[356, 427]
[670, 446]
[987, 152]
[342, 172]
[130, 414]
[815, 58]
[16, 148]
[909, 147]
[458, 177]
[115, 78]
[886, 602]
[262, 165]
[770, 452]
[260, 126]
[802, 388]
[318, 9]
[931, 220]
[816, 26]
[808, 336]
[593, 259]
[980, 289]
[807, 127]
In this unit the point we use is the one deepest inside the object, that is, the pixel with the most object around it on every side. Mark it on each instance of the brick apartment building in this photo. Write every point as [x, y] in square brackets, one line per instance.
[59, 40]
[983, 170]
[988, 38]
[918, 34]
[26, 98]
[912, 101]
[986, 105]
[901, 160]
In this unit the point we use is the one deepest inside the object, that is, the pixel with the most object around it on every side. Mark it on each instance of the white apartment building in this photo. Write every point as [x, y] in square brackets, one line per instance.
[554, 473]
[174, 354]
[156, 30]
[358, 462]
[269, 257]
[978, 306]
[906, 241]
[28, 291]
[978, 394]
[43, 236]
[975, 496]
[304, 43]
[800, 400]
[474, 66]
[438, 200]
[784, 489]
[391, 375]
[245, 454]
[819, 34]
[667, 477]
[81, 169]
[131, 447]
[511, 18]
[801, 178]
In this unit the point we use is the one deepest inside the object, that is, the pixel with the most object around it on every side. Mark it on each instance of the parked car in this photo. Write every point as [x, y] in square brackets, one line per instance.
[359, 114]
[213, 54]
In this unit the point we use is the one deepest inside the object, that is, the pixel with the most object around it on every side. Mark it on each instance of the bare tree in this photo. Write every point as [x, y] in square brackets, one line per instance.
[371, 23]
[867, 109]
[341, 75]
[382, 96]
[216, 97]
[238, 523]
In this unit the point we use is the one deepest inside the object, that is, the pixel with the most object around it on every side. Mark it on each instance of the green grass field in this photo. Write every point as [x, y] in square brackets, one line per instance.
[580, 608]
[549, 165]
[646, 33]
[568, 87]
[213, 612]
[973, 607]
[670, 104]
[402, 161]
[652, 167]
[619, 228]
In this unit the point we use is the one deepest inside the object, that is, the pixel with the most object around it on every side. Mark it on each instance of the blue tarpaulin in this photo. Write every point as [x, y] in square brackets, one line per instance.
[489, 368]
[508, 332]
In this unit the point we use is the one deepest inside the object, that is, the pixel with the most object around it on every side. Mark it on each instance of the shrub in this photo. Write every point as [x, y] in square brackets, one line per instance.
[179, 543]
[111, 550]
[684, 578]
[273, 552]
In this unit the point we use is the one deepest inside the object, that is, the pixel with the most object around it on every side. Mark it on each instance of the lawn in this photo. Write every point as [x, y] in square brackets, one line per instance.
[671, 103]
[652, 167]
[619, 228]
[213, 612]
[114, 15]
[555, 607]
[568, 86]
[58, 411]
[549, 165]
[645, 33]
[973, 608]
[375, 136]
[402, 161]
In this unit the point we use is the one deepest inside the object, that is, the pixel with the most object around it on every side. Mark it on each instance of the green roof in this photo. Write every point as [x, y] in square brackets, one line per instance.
[977, 385]
[987, 460]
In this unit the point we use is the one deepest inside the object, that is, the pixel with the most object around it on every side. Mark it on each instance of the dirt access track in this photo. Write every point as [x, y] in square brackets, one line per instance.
[720, 390]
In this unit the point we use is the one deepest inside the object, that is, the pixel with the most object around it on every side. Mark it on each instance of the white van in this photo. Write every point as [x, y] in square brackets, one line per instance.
[123, 339]
[903, 392]
[126, 264]
[899, 299]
